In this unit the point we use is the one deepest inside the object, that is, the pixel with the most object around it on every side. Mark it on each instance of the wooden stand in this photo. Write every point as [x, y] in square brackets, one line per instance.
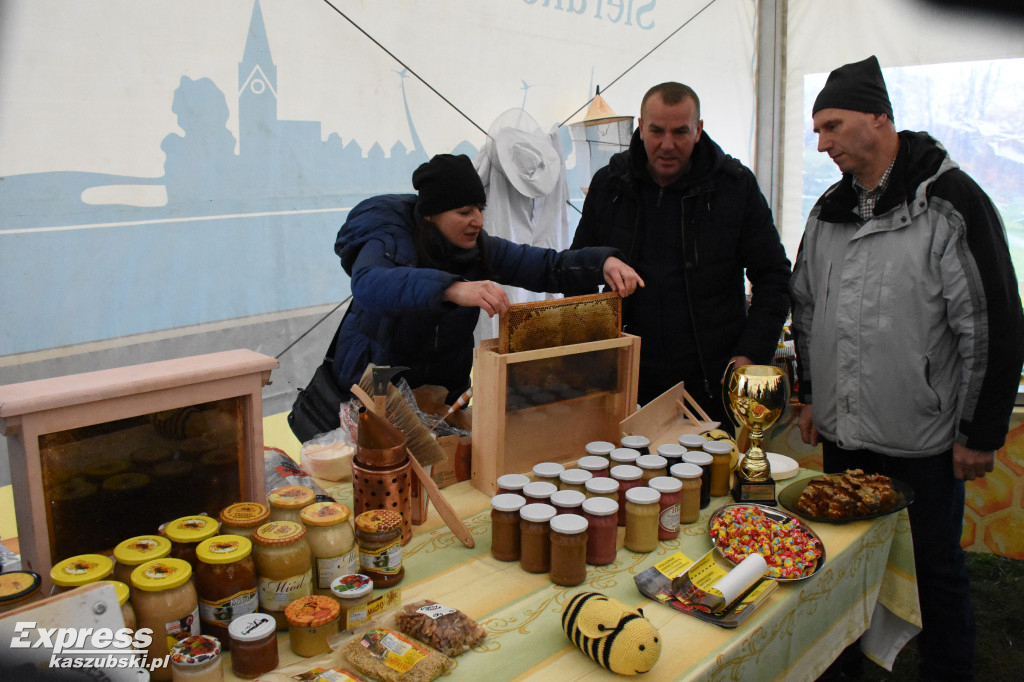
[667, 417]
[546, 404]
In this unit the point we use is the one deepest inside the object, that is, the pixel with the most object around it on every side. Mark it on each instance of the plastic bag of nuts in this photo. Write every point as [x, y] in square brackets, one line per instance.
[448, 630]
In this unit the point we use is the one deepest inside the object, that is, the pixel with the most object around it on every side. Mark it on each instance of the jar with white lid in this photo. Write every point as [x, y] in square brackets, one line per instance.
[547, 471]
[79, 570]
[602, 530]
[535, 545]
[567, 501]
[652, 466]
[505, 526]
[628, 477]
[689, 476]
[197, 659]
[599, 447]
[253, 645]
[353, 594]
[512, 483]
[692, 441]
[165, 601]
[332, 541]
[703, 460]
[670, 489]
[603, 486]
[286, 502]
[672, 452]
[596, 465]
[641, 444]
[642, 519]
[721, 466]
[568, 549]
[623, 456]
[574, 479]
[538, 492]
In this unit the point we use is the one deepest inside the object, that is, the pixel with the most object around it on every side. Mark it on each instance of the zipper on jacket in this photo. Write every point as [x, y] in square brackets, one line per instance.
[689, 299]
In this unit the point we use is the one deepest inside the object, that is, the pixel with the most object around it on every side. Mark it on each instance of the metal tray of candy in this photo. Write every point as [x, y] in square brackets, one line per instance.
[791, 549]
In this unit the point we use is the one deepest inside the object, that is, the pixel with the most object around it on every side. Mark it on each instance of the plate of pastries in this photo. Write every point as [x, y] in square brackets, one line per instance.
[852, 495]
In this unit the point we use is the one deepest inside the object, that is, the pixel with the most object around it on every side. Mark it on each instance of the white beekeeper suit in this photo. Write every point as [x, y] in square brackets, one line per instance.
[524, 175]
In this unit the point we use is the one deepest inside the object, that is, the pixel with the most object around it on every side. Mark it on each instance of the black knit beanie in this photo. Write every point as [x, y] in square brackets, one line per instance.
[856, 87]
[446, 182]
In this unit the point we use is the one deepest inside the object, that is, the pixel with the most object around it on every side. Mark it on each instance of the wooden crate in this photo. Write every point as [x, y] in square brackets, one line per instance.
[547, 404]
[188, 434]
[667, 417]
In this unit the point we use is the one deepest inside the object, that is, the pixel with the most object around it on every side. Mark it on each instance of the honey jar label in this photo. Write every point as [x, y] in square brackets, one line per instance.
[329, 568]
[182, 628]
[223, 611]
[386, 560]
[275, 595]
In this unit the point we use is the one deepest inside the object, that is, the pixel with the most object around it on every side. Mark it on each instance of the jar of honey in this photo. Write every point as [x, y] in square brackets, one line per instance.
[197, 659]
[601, 448]
[721, 466]
[79, 570]
[312, 621]
[568, 549]
[689, 476]
[186, 533]
[19, 588]
[603, 487]
[652, 466]
[253, 645]
[505, 526]
[539, 492]
[284, 565]
[567, 501]
[628, 477]
[243, 518]
[127, 610]
[138, 550]
[165, 601]
[226, 583]
[642, 513]
[353, 594]
[547, 471]
[535, 543]
[379, 534]
[597, 466]
[623, 456]
[574, 479]
[287, 502]
[332, 542]
[641, 444]
[512, 483]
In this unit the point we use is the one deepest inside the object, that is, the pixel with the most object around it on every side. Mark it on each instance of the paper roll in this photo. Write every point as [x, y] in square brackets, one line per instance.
[738, 580]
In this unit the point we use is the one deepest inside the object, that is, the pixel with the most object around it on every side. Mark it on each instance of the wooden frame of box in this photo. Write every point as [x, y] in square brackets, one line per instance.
[582, 392]
[63, 428]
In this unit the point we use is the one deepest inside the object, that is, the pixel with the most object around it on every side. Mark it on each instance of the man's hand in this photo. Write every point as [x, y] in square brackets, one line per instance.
[485, 295]
[808, 432]
[621, 278]
[970, 464]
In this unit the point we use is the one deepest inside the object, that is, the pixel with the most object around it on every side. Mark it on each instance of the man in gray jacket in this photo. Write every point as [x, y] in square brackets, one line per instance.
[909, 335]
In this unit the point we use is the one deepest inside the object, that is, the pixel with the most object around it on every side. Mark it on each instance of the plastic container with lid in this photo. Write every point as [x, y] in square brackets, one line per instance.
[505, 526]
[138, 550]
[512, 483]
[652, 466]
[670, 489]
[623, 456]
[596, 465]
[547, 471]
[721, 466]
[312, 621]
[127, 610]
[79, 570]
[672, 452]
[642, 511]
[197, 659]
[703, 460]
[574, 479]
[602, 530]
[353, 594]
[535, 543]
[187, 532]
[568, 549]
[538, 492]
[226, 583]
[567, 501]
[641, 444]
[628, 477]
[165, 601]
[689, 502]
[19, 588]
[286, 502]
[243, 518]
[603, 486]
[602, 448]
[379, 534]
[284, 566]
[253, 645]
[332, 541]
[692, 441]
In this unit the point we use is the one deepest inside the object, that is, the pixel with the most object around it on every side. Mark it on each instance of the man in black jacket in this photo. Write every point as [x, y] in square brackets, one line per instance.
[692, 222]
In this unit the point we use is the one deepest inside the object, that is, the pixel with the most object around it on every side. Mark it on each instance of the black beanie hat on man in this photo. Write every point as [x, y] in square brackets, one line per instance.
[445, 182]
[856, 87]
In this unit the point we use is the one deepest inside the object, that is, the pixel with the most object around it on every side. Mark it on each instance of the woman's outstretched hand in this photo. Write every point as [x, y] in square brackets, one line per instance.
[484, 294]
[621, 278]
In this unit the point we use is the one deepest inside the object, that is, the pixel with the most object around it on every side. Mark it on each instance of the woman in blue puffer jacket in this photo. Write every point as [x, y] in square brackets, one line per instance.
[422, 268]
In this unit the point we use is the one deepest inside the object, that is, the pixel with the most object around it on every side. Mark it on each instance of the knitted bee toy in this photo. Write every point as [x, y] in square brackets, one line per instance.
[614, 635]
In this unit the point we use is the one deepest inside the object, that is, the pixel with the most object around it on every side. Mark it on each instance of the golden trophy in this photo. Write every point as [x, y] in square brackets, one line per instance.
[755, 397]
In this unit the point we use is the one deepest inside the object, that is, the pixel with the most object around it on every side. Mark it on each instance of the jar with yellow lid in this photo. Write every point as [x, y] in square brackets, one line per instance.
[138, 550]
[287, 502]
[187, 532]
[332, 542]
[127, 610]
[197, 659]
[243, 518]
[312, 621]
[379, 534]
[19, 588]
[79, 570]
[284, 564]
[166, 602]
[226, 583]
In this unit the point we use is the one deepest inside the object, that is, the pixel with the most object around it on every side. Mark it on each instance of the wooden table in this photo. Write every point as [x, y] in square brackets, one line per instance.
[802, 627]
